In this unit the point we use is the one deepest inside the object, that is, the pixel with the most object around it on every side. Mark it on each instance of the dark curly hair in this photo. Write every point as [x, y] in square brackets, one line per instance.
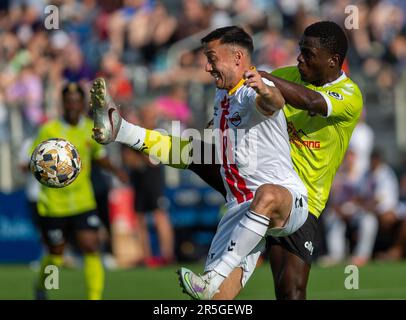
[332, 37]
[72, 87]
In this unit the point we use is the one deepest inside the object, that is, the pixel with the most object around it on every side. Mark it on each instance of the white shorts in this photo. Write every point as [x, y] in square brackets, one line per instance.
[234, 215]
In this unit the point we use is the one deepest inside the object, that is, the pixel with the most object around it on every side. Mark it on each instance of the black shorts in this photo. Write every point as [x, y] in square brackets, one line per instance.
[55, 231]
[302, 243]
[148, 185]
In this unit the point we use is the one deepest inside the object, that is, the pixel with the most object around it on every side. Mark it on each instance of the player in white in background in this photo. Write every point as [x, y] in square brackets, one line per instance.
[268, 200]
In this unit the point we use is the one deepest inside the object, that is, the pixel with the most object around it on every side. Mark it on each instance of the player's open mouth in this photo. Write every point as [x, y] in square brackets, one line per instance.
[216, 76]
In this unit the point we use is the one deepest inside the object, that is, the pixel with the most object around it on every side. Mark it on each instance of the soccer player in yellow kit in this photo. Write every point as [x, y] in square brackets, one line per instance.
[72, 210]
[322, 108]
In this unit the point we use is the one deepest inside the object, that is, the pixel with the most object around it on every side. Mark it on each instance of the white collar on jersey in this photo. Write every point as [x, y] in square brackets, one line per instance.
[340, 78]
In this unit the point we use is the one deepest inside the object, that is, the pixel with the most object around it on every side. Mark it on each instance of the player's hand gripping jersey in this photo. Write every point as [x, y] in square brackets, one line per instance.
[253, 148]
[318, 144]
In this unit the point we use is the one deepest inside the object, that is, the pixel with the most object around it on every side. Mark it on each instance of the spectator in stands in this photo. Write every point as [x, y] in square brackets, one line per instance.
[189, 69]
[379, 191]
[150, 30]
[397, 250]
[174, 106]
[379, 195]
[344, 213]
[194, 18]
[116, 73]
[122, 21]
[27, 93]
[362, 143]
[76, 69]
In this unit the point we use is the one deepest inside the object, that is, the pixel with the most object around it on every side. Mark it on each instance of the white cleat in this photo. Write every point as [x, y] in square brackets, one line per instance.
[196, 286]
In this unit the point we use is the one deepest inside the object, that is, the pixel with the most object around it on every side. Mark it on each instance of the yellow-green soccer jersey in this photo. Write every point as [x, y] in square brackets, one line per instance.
[78, 197]
[318, 144]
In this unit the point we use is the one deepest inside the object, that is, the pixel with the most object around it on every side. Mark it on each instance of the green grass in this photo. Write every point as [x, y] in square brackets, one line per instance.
[376, 281]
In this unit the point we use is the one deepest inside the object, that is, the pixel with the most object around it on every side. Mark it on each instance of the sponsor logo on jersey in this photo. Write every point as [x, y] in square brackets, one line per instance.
[235, 119]
[335, 95]
[295, 137]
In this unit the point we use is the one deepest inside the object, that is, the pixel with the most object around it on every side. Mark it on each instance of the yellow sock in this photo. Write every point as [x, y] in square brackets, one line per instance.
[48, 260]
[170, 150]
[94, 276]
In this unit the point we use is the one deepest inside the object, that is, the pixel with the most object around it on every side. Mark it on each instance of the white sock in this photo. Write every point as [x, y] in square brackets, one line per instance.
[244, 238]
[131, 135]
[216, 280]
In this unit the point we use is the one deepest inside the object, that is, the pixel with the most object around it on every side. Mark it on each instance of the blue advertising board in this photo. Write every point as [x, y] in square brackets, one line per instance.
[19, 239]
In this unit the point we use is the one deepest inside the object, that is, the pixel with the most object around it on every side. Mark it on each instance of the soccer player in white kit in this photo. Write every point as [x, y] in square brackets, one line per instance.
[264, 193]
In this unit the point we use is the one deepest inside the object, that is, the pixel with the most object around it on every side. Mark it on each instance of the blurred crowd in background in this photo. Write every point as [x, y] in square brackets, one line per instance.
[149, 53]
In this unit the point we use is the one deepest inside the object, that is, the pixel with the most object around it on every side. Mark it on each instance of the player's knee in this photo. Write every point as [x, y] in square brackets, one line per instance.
[266, 200]
[293, 292]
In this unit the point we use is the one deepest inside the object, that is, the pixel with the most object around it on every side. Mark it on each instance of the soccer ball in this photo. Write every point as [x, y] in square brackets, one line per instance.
[55, 163]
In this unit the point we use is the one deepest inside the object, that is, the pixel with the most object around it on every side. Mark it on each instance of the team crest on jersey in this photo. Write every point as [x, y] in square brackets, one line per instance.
[335, 95]
[235, 119]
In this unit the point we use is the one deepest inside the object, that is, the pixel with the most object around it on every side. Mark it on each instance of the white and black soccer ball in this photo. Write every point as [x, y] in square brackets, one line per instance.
[55, 163]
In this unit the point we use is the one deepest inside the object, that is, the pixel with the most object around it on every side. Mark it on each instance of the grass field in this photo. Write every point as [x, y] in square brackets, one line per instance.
[376, 281]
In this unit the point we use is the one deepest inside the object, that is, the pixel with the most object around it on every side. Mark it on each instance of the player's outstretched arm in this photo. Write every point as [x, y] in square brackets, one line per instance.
[299, 96]
[269, 98]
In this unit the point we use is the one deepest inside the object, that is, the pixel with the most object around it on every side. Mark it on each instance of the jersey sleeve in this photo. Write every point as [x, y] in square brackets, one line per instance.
[251, 95]
[344, 104]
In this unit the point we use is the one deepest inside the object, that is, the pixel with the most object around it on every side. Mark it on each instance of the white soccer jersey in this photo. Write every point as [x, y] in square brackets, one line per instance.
[253, 148]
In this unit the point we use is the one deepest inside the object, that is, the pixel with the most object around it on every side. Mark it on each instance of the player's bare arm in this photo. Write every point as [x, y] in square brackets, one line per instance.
[269, 98]
[298, 96]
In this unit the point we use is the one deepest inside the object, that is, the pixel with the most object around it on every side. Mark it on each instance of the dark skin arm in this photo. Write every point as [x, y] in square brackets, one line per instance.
[209, 173]
[299, 96]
